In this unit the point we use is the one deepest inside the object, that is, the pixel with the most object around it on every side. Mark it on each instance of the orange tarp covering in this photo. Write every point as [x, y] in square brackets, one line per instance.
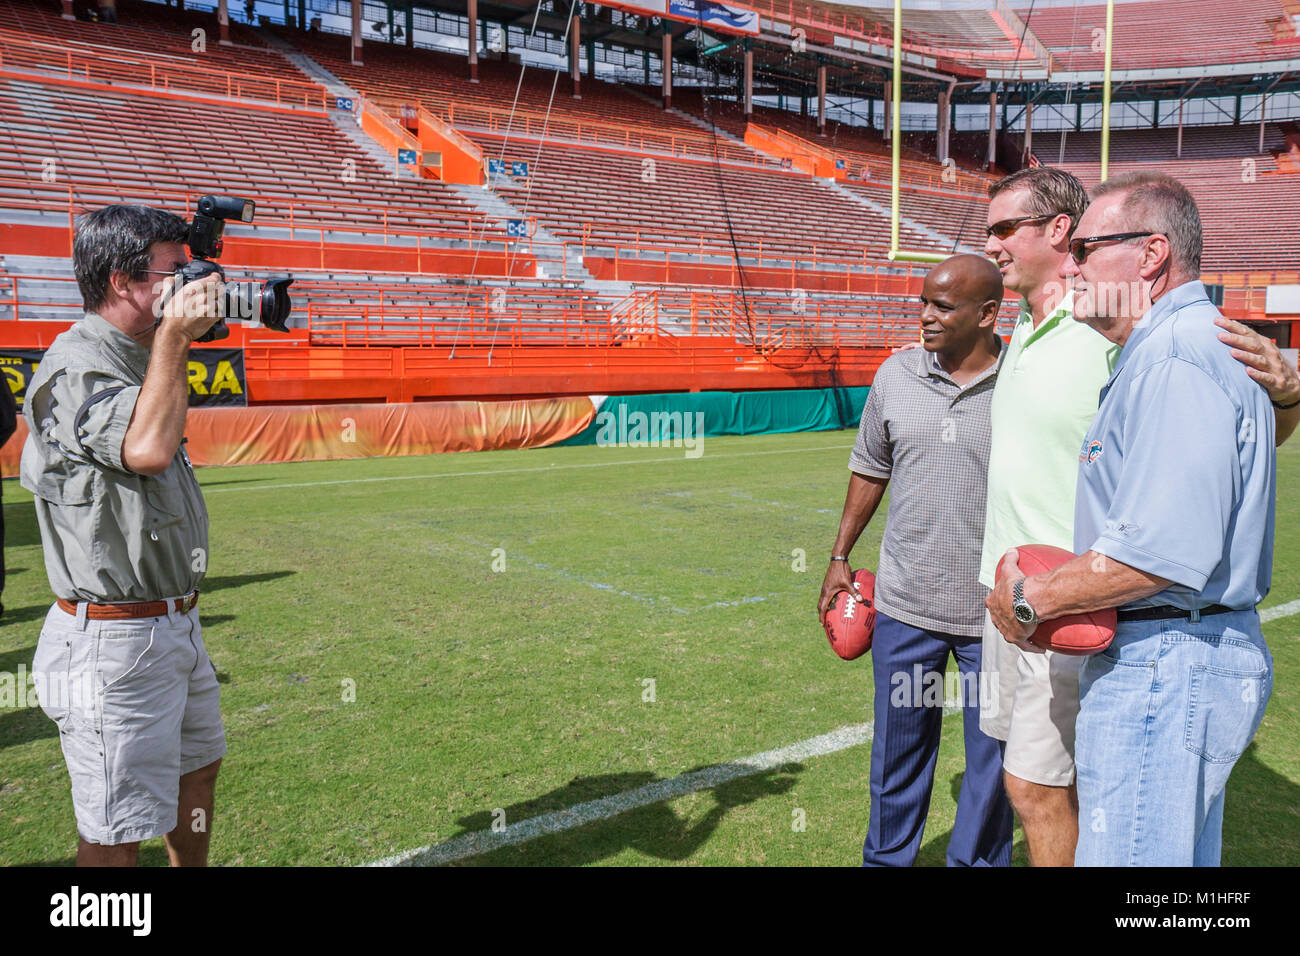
[273, 433]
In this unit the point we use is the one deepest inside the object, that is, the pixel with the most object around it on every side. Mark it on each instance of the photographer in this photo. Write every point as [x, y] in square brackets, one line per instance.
[8, 425]
[121, 666]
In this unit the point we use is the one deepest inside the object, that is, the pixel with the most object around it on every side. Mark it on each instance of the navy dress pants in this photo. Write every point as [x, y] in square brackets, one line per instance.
[909, 665]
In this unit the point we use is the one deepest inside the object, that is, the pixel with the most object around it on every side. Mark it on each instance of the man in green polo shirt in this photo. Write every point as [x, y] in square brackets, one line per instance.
[1045, 399]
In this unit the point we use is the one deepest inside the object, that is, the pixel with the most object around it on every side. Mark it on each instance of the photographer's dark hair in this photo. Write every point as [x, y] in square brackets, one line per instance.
[117, 239]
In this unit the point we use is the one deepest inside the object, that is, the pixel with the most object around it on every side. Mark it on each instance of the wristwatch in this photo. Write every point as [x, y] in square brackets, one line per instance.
[1024, 613]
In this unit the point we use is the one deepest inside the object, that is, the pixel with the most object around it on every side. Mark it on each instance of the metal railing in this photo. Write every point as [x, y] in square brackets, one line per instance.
[158, 72]
[287, 212]
[528, 124]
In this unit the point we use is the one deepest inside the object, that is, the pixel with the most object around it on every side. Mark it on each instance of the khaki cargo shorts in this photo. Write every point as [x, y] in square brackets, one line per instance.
[136, 703]
[1032, 702]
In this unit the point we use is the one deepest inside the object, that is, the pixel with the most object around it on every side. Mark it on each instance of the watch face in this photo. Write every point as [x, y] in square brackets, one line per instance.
[1024, 613]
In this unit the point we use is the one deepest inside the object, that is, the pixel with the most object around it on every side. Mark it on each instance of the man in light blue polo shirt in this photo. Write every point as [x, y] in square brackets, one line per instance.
[1174, 522]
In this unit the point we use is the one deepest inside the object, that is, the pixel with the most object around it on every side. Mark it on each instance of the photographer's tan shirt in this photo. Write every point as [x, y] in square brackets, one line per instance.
[109, 534]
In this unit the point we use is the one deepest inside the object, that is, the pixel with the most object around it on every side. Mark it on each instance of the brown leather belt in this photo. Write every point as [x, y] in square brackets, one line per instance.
[123, 612]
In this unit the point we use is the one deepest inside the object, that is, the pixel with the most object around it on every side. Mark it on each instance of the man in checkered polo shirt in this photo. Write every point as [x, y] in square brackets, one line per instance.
[925, 433]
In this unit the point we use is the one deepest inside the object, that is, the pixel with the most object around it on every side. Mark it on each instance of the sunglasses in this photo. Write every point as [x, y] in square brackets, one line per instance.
[1079, 247]
[1006, 227]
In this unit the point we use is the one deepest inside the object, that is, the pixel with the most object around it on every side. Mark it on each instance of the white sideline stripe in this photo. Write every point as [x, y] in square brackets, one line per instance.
[1280, 610]
[485, 841]
[518, 471]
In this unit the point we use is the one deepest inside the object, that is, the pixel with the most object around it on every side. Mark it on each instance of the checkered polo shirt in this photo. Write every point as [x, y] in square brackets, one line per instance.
[930, 437]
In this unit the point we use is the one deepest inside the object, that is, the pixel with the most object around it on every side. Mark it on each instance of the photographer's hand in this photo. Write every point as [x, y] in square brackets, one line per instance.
[158, 419]
[194, 310]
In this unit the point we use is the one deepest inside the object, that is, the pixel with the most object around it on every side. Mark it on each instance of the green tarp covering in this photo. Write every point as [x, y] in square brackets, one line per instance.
[652, 419]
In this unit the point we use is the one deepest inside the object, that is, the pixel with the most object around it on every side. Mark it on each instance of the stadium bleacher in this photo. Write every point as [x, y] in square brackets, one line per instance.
[293, 162]
[606, 198]
[149, 30]
[622, 198]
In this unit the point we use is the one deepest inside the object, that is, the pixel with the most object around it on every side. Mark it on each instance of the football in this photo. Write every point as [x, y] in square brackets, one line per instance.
[850, 624]
[1076, 634]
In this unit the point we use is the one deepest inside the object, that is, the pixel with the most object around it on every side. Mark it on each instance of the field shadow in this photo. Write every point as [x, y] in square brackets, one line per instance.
[228, 581]
[655, 830]
[21, 725]
[9, 660]
[21, 527]
[25, 615]
[1261, 820]
[152, 853]
[1261, 815]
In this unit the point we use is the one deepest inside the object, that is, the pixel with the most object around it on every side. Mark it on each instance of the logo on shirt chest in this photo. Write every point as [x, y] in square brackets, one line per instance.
[1090, 451]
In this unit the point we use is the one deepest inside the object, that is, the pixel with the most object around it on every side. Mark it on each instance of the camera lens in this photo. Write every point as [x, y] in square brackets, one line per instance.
[275, 304]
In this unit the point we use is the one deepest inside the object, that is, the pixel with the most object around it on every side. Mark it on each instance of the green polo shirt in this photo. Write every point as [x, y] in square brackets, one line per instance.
[1045, 399]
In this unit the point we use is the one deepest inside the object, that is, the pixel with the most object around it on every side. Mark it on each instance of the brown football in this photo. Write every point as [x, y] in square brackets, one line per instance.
[850, 624]
[1077, 634]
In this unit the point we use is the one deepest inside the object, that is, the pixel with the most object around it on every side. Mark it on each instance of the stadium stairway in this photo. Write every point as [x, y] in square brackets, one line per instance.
[552, 261]
[346, 124]
[905, 222]
[305, 63]
[693, 120]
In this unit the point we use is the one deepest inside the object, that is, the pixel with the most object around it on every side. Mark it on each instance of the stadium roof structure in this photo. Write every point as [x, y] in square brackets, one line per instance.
[1048, 49]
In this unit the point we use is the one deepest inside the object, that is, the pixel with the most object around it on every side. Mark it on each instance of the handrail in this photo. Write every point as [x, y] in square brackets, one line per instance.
[394, 106]
[530, 123]
[848, 323]
[380, 316]
[446, 129]
[61, 43]
[912, 176]
[12, 282]
[378, 220]
[23, 55]
[793, 254]
[798, 142]
[399, 137]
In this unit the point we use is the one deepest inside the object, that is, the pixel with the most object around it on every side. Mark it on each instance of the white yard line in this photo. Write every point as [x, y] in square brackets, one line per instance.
[485, 841]
[1280, 610]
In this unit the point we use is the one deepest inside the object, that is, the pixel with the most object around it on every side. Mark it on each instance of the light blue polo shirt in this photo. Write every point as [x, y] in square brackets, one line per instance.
[1178, 471]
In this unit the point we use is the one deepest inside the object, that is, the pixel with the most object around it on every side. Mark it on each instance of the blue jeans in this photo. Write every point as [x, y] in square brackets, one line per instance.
[909, 664]
[1164, 714]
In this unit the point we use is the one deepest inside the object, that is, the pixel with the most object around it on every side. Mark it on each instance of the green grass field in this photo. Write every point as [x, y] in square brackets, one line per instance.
[478, 691]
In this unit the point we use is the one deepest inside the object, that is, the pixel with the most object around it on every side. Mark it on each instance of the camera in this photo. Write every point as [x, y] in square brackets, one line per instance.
[270, 305]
